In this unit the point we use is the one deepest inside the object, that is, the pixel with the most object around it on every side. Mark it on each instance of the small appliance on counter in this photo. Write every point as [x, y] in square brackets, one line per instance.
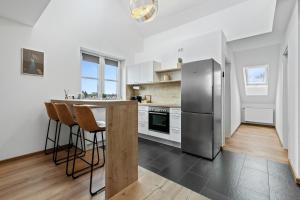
[166, 77]
[137, 98]
[147, 99]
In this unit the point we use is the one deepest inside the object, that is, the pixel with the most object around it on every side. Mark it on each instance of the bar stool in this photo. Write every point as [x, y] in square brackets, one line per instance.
[52, 117]
[65, 116]
[88, 123]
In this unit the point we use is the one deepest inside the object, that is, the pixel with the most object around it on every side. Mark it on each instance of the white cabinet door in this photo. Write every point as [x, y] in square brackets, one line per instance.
[143, 116]
[143, 119]
[143, 128]
[143, 108]
[175, 121]
[147, 72]
[175, 134]
[133, 74]
[175, 124]
[175, 111]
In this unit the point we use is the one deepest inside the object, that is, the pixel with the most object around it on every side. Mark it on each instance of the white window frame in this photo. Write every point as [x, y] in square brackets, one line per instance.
[257, 86]
[101, 78]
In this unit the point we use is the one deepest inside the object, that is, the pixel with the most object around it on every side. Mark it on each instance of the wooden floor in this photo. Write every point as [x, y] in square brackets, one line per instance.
[37, 178]
[257, 141]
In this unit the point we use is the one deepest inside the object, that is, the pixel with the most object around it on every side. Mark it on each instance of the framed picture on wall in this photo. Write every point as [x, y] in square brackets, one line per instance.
[32, 62]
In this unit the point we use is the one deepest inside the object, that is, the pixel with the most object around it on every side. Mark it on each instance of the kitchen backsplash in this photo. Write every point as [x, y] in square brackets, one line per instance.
[161, 93]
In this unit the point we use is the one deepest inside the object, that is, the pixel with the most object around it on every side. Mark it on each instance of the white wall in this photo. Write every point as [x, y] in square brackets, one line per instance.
[258, 56]
[297, 50]
[281, 102]
[291, 41]
[64, 27]
[201, 47]
[235, 98]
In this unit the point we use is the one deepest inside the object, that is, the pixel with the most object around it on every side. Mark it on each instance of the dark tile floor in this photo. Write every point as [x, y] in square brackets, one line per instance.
[230, 176]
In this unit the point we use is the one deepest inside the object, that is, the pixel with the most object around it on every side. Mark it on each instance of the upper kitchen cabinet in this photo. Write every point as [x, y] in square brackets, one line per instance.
[143, 73]
[133, 74]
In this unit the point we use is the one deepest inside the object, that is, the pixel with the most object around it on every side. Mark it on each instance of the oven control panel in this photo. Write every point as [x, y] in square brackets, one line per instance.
[159, 109]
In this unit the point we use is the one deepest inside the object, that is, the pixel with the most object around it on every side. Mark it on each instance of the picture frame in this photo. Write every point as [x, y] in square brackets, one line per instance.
[32, 62]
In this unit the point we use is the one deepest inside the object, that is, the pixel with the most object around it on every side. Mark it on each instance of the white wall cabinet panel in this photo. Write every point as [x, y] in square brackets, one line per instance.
[147, 72]
[133, 74]
[142, 73]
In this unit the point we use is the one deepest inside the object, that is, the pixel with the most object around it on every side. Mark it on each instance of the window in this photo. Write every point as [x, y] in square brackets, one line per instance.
[90, 75]
[256, 80]
[100, 77]
[110, 79]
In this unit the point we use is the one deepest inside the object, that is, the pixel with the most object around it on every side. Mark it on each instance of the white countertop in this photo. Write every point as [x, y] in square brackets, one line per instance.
[161, 105]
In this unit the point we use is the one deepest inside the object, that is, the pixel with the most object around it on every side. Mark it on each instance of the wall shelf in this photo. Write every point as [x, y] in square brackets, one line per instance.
[168, 70]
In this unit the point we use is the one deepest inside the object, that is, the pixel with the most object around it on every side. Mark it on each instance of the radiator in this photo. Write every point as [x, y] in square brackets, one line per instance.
[259, 115]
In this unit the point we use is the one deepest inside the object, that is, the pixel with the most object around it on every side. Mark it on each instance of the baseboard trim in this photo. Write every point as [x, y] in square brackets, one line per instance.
[296, 179]
[279, 139]
[160, 140]
[234, 132]
[29, 155]
[258, 124]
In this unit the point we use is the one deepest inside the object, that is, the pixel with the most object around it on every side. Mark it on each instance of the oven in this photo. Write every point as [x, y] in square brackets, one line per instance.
[159, 119]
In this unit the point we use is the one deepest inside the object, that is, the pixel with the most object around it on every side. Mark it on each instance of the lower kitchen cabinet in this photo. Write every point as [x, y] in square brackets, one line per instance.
[175, 124]
[143, 128]
[175, 121]
[175, 134]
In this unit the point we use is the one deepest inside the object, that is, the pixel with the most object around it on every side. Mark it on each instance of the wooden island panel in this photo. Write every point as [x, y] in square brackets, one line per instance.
[121, 167]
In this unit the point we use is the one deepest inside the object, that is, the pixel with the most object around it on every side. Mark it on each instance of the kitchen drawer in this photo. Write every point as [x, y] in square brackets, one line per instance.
[175, 111]
[159, 135]
[175, 134]
[143, 116]
[143, 128]
[143, 108]
[175, 121]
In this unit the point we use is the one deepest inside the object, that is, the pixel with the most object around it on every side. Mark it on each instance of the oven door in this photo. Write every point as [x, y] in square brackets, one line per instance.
[159, 121]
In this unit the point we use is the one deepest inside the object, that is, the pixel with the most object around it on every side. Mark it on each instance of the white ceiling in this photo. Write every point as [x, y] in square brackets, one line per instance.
[23, 11]
[173, 13]
[284, 9]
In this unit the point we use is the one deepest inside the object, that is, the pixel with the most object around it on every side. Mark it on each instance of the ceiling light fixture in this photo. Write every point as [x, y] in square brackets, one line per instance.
[143, 10]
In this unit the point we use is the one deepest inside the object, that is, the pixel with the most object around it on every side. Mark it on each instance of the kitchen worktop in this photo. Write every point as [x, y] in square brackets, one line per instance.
[161, 105]
[93, 101]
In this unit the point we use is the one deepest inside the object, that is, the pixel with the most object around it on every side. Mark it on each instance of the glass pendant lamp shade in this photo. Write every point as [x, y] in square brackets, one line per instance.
[143, 10]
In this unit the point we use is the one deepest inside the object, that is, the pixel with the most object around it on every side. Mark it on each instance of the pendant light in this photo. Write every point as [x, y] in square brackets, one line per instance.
[143, 10]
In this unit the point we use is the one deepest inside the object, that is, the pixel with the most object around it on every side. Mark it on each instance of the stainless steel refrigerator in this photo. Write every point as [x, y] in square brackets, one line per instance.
[201, 105]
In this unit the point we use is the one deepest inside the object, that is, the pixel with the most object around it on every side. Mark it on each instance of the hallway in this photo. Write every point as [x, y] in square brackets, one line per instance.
[259, 141]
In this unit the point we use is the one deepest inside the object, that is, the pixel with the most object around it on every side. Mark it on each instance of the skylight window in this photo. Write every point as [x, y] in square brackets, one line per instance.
[256, 80]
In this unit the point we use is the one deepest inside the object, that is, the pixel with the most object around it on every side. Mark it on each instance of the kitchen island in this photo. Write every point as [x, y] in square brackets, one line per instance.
[121, 167]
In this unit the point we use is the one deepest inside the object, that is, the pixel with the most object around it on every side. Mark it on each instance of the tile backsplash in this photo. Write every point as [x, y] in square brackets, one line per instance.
[161, 93]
